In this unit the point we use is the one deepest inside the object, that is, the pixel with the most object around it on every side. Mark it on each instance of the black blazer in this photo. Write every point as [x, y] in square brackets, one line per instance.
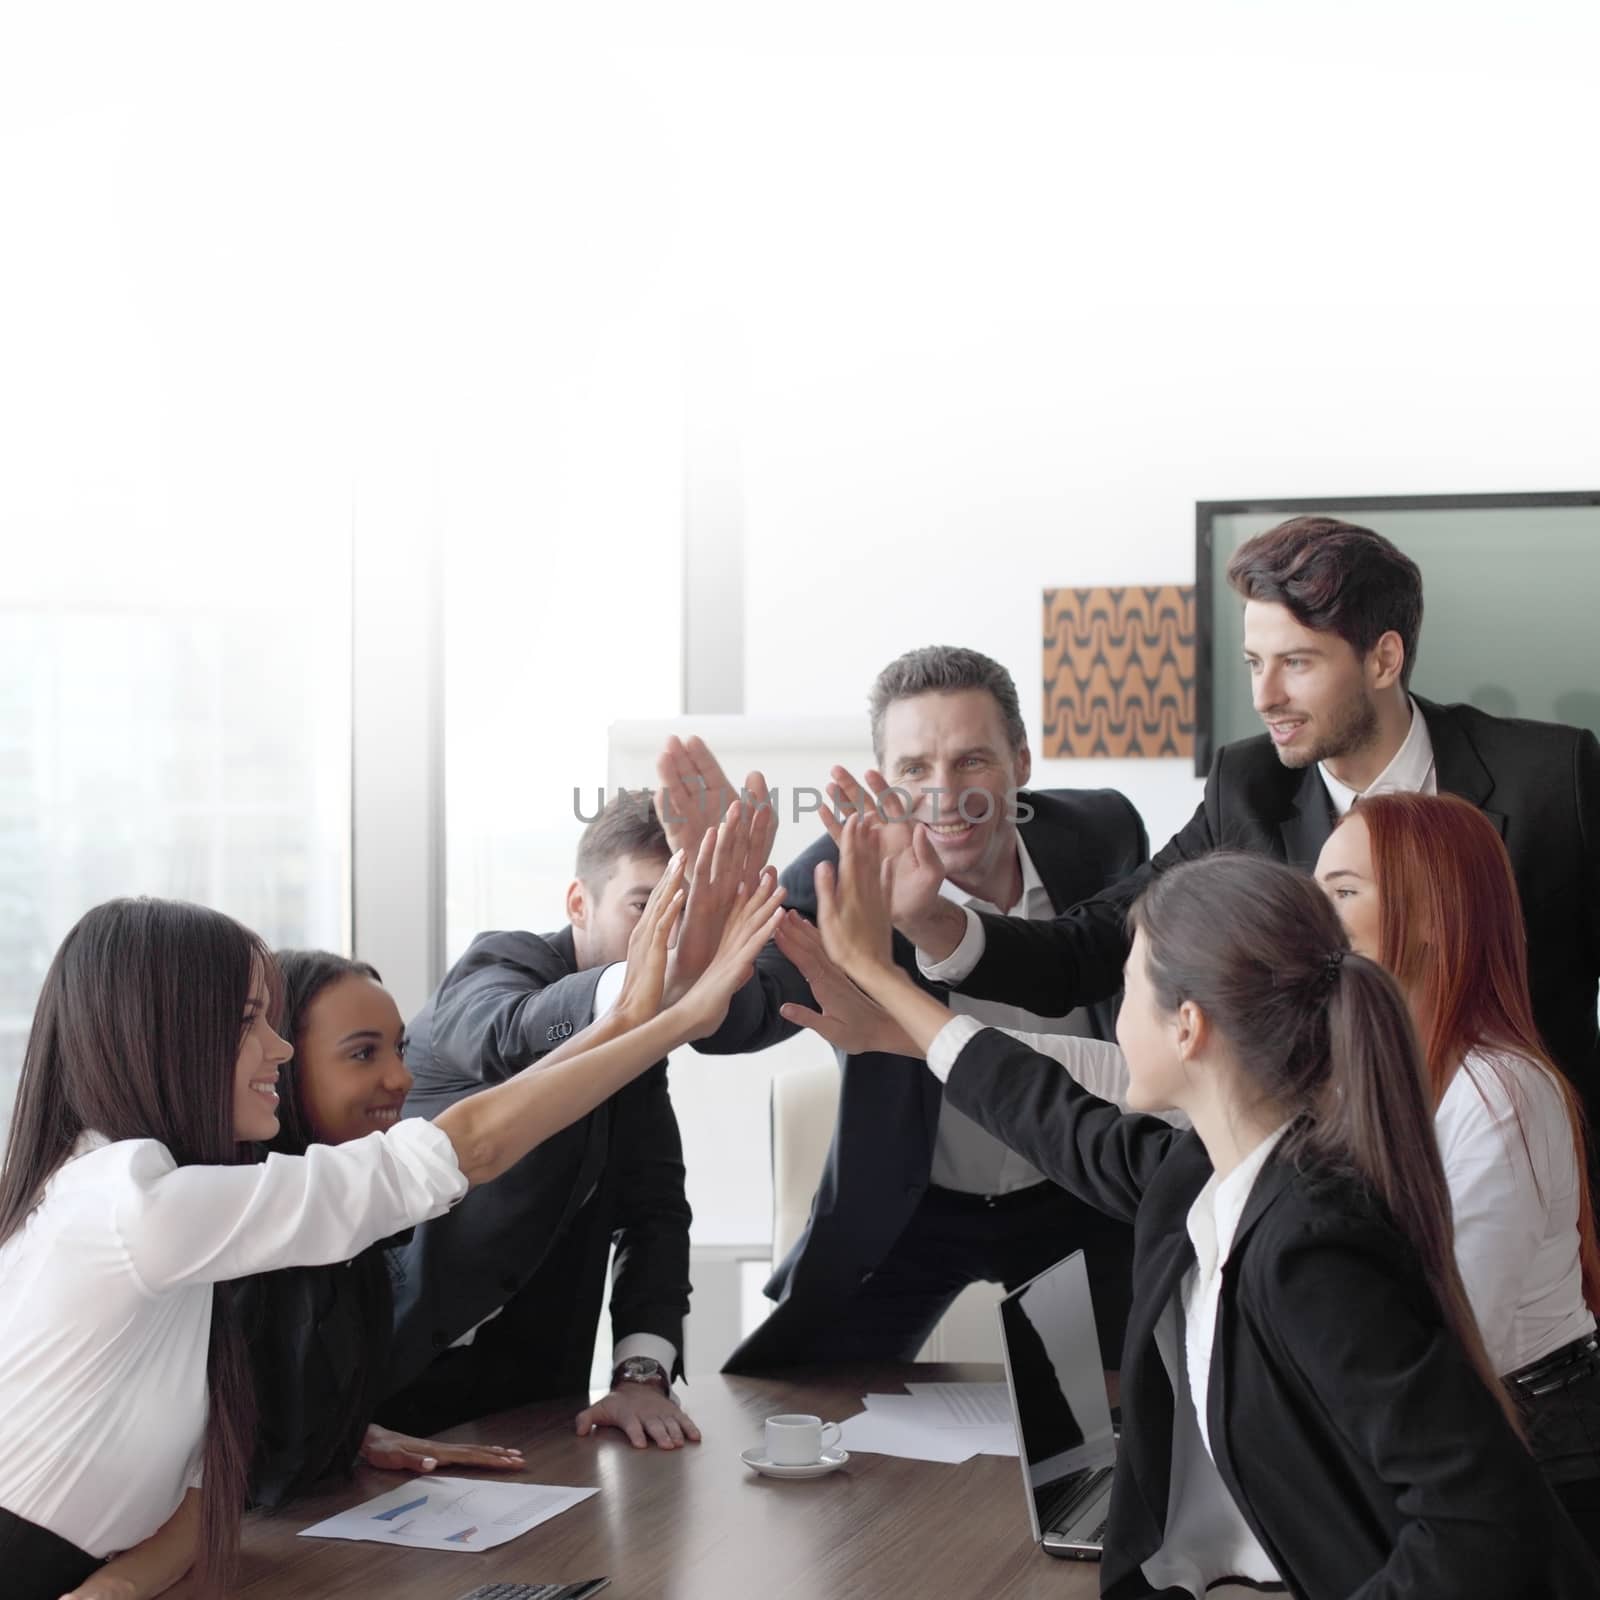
[1359, 1444]
[1538, 782]
[1080, 840]
[319, 1345]
[615, 1175]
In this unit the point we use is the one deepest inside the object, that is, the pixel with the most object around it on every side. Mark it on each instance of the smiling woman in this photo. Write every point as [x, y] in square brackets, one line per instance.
[319, 1335]
[348, 1075]
[130, 1203]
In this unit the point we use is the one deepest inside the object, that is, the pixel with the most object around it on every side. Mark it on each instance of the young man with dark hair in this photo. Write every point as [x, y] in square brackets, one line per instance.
[1332, 614]
[917, 1201]
[499, 1300]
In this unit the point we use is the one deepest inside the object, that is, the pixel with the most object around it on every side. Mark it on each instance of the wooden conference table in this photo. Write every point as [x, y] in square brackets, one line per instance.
[697, 1524]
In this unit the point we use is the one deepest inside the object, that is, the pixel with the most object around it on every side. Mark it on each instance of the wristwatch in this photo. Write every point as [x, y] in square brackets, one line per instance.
[643, 1369]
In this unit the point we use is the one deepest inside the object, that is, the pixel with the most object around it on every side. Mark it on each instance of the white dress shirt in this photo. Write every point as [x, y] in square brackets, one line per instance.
[1509, 1160]
[105, 1307]
[1410, 771]
[965, 1156]
[1097, 1064]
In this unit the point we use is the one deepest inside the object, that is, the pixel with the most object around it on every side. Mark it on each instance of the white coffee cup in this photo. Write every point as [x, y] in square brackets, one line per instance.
[795, 1440]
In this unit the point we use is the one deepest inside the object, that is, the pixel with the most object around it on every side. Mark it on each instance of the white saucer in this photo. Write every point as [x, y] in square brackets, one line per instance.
[831, 1460]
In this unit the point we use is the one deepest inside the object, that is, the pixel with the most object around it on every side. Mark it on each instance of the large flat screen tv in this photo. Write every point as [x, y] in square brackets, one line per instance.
[1511, 602]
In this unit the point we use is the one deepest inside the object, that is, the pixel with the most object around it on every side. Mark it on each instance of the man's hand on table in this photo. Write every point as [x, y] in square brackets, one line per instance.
[643, 1413]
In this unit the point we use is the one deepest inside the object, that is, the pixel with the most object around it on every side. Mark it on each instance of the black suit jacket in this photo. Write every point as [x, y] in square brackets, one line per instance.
[319, 1342]
[1538, 782]
[615, 1175]
[882, 1151]
[1363, 1450]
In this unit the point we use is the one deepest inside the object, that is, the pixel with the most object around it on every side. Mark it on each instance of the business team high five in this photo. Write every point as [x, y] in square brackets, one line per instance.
[1349, 1273]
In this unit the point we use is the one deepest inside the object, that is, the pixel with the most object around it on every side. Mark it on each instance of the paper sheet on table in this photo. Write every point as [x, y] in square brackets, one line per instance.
[968, 1404]
[877, 1433]
[925, 1411]
[450, 1514]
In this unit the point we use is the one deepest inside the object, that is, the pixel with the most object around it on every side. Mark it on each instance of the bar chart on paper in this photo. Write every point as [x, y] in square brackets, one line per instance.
[451, 1514]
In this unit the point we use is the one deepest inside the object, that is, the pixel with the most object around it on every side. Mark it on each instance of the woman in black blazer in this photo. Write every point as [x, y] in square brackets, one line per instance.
[1305, 1395]
[319, 1336]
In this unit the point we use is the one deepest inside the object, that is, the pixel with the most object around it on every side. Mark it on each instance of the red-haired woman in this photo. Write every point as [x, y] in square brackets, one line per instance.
[1424, 886]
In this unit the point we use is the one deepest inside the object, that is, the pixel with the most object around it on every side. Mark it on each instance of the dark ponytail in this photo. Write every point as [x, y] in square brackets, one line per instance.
[1389, 1137]
[1323, 1035]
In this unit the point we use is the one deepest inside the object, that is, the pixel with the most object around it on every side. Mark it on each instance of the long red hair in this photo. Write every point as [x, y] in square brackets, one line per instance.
[1450, 929]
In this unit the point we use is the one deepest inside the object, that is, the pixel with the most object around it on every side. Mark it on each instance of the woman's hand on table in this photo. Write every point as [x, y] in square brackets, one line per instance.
[399, 1452]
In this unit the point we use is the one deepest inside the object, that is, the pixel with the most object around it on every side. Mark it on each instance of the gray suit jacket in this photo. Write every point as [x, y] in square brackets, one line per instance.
[616, 1175]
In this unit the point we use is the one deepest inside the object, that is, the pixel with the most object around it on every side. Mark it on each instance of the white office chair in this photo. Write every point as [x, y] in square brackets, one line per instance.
[805, 1104]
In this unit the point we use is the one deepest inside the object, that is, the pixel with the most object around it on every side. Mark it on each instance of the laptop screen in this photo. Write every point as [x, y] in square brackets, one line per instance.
[1058, 1389]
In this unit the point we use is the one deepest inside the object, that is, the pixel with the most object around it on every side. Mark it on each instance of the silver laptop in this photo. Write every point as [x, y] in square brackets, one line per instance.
[1058, 1402]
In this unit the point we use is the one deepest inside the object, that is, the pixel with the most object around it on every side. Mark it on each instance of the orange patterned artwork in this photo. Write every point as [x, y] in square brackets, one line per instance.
[1119, 672]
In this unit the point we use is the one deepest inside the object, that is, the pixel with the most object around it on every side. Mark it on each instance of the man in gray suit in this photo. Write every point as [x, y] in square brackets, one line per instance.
[498, 1301]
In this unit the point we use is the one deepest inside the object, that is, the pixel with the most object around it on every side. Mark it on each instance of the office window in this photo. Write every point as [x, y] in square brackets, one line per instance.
[570, 634]
[198, 750]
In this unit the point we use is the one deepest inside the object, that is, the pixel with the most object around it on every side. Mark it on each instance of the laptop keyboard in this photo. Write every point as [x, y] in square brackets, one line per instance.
[1092, 1483]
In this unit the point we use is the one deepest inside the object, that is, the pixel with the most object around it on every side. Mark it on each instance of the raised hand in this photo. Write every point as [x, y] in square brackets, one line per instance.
[693, 790]
[875, 796]
[849, 1020]
[751, 922]
[721, 866]
[649, 948]
[853, 902]
[914, 869]
[763, 822]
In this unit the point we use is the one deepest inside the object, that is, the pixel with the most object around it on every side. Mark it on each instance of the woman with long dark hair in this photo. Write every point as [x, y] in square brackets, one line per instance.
[1306, 1396]
[318, 1336]
[1423, 885]
[126, 1196]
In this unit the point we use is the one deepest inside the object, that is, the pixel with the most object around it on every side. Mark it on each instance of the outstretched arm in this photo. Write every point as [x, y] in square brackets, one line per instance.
[1022, 1097]
[1047, 967]
[492, 1130]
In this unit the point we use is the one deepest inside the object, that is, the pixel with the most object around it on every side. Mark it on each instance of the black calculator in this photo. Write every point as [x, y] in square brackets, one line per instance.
[537, 1591]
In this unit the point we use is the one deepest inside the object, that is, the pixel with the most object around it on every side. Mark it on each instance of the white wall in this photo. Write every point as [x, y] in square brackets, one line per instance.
[1011, 298]
[970, 301]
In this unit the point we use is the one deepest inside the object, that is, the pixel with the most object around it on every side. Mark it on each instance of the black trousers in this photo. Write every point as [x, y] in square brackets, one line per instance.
[36, 1564]
[952, 1240]
[1563, 1429]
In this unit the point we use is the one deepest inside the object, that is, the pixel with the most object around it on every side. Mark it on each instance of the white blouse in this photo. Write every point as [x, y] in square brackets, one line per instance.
[105, 1307]
[1514, 1192]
